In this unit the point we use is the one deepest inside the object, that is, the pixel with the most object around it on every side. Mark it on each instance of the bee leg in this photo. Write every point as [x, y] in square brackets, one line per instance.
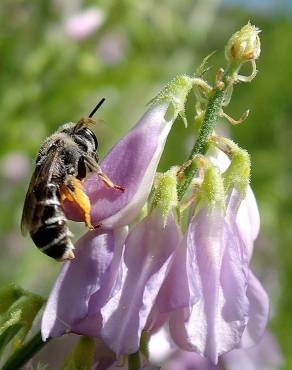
[96, 168]
[72, 190]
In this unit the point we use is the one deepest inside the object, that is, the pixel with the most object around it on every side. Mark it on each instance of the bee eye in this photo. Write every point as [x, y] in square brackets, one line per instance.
[89, 135]
[86, 139]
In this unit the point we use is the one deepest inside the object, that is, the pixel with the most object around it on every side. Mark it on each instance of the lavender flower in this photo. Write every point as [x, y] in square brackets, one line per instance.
[219, 303]
[100, 269]
[148, 254]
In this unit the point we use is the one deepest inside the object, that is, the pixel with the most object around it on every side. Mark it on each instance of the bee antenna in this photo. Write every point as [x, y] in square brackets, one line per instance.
[97, 107]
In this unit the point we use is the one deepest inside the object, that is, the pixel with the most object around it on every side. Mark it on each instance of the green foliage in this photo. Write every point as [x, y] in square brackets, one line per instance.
[18, 309]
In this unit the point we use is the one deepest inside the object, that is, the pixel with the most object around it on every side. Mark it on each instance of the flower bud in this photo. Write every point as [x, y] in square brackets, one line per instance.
[244, 45]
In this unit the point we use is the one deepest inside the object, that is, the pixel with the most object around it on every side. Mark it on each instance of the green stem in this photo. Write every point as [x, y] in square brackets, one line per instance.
[144, 344]
[134, 361]
[212, 112]
[25, 353]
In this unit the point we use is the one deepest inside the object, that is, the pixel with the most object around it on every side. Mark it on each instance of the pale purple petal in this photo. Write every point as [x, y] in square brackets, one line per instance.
[264, 356]
[132, 164]
[253, 212]
[184, 360]
[92, 272]
[156, 319]
[81, 25]
[258, 312]
[213, 325]
[148, 253]
[248, 220]
[180, 288]
[245, 212]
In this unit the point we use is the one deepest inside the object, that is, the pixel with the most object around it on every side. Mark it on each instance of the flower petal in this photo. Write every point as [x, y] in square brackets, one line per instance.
[214, 325]
[264, 356]
[246, 213]
[184, 360]
[180, 288]
[148, 253]
[131, 163]
[258, 312]
[156, 319]
[92, 272]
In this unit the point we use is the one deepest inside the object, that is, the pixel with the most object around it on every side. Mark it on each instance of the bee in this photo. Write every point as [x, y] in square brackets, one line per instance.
[63, 162]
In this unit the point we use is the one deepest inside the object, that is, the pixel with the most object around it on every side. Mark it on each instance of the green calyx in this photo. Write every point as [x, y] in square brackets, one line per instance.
[165, 194]
[175, 94]
[212, 189]
[237, 174]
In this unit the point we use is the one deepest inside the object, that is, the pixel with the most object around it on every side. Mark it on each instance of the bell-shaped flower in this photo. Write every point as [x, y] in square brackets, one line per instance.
[84, 285]
[133, 161]
[149, 251]
[110, 288]
[100, 271]
[225, 300]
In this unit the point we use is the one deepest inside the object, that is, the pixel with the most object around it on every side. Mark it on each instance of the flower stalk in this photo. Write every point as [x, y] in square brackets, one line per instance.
[201, 145]
[134, 361]
[25, 353]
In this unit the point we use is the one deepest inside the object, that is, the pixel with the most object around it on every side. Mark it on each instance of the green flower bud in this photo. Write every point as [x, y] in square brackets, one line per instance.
[244, 45]
[238, 173]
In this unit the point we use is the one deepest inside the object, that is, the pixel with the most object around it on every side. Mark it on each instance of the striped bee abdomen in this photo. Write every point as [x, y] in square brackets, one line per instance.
[52, 236]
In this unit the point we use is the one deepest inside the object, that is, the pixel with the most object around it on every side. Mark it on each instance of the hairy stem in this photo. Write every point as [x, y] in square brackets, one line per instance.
[212, 112]
[25, 353]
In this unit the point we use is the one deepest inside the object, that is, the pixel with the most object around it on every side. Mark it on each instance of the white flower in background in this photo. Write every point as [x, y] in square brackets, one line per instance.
[84, 23]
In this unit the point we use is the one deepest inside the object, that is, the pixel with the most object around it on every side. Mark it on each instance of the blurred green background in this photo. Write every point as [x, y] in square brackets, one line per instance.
[57, 61]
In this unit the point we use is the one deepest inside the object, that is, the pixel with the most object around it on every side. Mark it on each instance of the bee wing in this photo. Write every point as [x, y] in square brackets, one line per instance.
[40, 179]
